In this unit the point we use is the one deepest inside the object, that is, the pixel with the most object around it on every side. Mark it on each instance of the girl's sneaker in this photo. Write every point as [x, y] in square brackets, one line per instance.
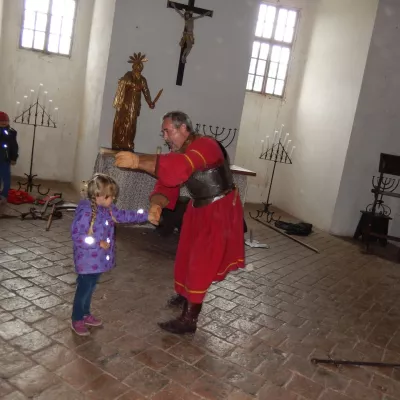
[92, 321]
[79, 328]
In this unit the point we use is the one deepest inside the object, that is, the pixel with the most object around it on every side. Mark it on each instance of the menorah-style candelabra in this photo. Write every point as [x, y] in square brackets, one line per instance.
[224, 137]
[382, 187]
[36, 115]
[277, 153]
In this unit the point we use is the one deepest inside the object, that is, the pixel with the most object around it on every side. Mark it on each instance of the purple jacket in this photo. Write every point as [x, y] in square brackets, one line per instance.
[89, 257]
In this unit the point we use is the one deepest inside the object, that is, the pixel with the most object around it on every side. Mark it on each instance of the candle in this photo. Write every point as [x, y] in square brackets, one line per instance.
[262, 146]
[158, 150]
[291, 153]
[49, 111]
[284, 140]
[267, 140]
[288, 144]
[31, 98]
[39, 92]
[275, 135]
[55, 114]
[44, 100]
[280, 133]
[17, 109]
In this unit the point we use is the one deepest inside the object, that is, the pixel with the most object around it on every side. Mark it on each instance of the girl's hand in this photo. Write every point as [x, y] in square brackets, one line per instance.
[104, 245]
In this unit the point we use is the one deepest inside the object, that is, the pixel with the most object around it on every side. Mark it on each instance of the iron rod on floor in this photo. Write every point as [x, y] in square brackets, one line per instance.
[343, 362]
[286, 235]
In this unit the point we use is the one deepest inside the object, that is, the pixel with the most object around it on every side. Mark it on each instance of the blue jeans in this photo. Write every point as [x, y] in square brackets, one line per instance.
[5, 178]
[85, 285]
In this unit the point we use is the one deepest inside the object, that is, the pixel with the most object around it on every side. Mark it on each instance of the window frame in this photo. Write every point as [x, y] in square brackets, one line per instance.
[271, 42]
[47, 32]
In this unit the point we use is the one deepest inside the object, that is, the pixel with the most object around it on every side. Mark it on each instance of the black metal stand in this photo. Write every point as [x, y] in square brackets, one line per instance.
[277, 154]
[41, 119]
[225, 138]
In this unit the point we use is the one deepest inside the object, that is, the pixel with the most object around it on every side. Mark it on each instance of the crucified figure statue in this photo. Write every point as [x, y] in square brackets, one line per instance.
[188, 35]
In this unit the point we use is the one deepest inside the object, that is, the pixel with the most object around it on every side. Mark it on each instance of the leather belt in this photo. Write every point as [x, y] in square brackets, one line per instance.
[197, 203]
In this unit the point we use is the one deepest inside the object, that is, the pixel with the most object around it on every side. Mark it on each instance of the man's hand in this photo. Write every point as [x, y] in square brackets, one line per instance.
[126, 159]
[13, 162]
[104, 245]
[154, 214]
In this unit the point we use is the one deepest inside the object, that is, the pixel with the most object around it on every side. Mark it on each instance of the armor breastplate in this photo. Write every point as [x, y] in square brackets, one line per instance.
[206, 186]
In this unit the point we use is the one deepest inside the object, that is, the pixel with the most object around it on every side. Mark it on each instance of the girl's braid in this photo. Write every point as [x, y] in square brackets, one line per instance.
[94, 212]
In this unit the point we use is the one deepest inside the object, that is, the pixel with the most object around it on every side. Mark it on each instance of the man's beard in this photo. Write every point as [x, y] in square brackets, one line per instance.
[171, 146]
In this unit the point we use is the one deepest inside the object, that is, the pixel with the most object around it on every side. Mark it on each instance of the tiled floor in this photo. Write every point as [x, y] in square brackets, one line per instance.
[258, 331]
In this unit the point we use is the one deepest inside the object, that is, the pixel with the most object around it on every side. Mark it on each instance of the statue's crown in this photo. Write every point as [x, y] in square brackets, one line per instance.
[137, 58]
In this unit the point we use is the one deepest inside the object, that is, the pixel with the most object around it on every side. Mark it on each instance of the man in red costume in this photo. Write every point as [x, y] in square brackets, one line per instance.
[211, 240]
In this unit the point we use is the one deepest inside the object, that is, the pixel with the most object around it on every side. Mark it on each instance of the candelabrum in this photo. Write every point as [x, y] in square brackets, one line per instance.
[277, 153]
[36, 115]
[223, 135]
[380, 185]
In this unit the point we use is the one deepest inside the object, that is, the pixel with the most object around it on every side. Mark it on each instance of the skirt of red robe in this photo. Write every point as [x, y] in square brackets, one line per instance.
[211, 245]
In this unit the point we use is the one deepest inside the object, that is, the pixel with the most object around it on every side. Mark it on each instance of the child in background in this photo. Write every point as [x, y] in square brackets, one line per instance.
[8, 157]
[93, 236]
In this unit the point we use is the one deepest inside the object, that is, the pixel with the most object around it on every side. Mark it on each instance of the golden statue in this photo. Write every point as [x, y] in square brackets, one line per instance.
[127, 103]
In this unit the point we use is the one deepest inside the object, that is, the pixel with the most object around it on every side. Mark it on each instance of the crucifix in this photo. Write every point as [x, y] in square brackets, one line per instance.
[187, 40]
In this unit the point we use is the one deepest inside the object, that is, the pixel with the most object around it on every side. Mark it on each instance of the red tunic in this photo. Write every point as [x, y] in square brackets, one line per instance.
[212, 239]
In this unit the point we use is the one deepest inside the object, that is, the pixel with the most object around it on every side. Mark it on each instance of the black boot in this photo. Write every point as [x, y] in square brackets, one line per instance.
[186, 323]
[176, 301]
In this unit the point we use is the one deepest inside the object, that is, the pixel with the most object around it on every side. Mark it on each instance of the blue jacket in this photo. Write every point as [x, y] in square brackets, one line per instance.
[8, 145]
[89, 257]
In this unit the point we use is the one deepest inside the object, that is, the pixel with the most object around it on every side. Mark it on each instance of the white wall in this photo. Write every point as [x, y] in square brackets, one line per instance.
[215, 77]
[325, 111]
[262, 115]
[376, 124]
[99, 46]
[63, 77]
[1, 22]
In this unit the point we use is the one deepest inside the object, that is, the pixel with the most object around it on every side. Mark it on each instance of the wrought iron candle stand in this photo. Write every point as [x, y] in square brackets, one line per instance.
[381, 184]
[225, 137]
[277, 154]
[35, 116]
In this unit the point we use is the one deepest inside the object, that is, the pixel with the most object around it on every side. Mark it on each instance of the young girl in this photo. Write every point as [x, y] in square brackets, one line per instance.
[93, 238]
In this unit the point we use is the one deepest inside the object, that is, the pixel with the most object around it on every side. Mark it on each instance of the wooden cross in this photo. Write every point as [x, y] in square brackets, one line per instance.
[193, 10]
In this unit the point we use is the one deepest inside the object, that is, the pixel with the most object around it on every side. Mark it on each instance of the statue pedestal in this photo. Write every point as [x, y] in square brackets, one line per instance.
[136, 186]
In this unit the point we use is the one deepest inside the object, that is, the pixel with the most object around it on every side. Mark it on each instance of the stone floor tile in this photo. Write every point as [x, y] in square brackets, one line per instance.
[131, 395]
[14, 303]
[15, 283]
[79, 372]
[50, 325]
[186, 352]
[305, 387]
[11, 329]
[54, 357]
[15, 396]
[61, 391]
[105, 387]
[34, 381]
[276, 393]
[5, 388]
[211, 388]
[30, 314]
[182, 373]
[146, 382]
[31, 342]
[47, 302]
[358, 391]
